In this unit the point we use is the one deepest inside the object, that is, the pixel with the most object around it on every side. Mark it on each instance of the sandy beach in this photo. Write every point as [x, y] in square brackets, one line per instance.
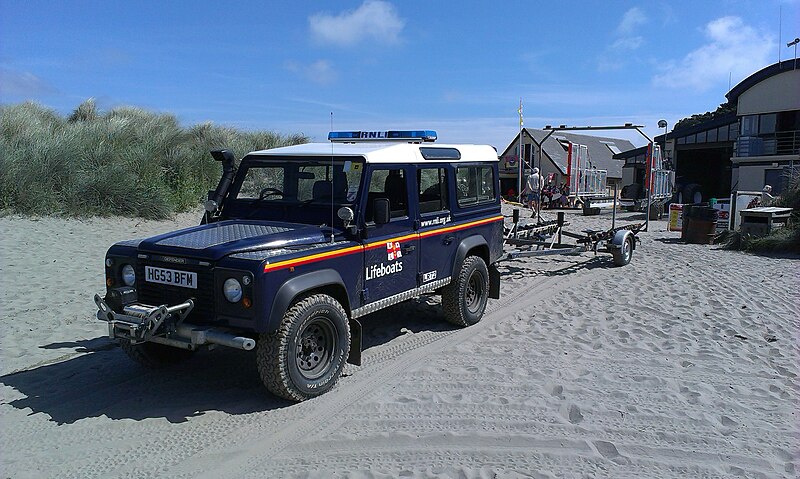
[684, 363]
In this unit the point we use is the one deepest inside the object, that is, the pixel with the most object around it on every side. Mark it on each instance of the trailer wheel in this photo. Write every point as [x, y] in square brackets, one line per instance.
[305, 356]
[464, 299]
[154, 355]
[622, 256]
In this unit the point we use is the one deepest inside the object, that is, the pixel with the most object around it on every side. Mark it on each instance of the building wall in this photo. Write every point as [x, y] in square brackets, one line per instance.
[750, 176]
[776, 93]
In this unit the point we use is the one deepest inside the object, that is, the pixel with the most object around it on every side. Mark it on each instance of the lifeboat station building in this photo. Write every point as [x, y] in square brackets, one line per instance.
[554, 156]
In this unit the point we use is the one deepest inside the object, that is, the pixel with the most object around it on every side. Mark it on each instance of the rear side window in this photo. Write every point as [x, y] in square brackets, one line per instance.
[475, 185]
[432, 189]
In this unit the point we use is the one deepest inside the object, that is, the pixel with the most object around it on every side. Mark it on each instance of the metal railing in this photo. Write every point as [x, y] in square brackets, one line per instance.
[773, 144]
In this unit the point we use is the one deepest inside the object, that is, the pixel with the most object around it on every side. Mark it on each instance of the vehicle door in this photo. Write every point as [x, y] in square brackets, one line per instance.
[437, 244]
[391, 249]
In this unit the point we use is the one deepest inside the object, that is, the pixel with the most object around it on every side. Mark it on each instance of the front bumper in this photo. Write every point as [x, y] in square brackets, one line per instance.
[165, 324]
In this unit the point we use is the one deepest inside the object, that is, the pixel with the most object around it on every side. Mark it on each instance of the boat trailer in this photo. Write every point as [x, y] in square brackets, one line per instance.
[545, 238]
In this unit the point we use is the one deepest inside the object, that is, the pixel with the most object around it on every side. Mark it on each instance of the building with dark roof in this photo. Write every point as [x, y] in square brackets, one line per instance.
[743, 151]
[554, 155]
[768, 146]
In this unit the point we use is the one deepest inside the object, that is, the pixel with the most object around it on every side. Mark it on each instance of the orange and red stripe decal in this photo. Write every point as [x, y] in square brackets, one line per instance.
[313, 258]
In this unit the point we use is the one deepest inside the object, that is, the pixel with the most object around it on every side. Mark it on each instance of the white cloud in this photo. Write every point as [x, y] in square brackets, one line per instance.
[627, 43]
[733, 48]
[374, 20]
[614, 56]
[633, 19]
[19, 84]
[320, 72]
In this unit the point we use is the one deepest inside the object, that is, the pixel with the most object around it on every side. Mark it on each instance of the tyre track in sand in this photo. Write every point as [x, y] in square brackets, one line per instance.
[258, 442]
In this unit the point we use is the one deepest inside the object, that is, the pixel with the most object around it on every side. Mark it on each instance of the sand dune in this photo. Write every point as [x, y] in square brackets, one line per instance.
[682, 364]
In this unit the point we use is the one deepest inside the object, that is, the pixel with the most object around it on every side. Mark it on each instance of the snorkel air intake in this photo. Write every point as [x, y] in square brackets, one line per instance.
[228, 172]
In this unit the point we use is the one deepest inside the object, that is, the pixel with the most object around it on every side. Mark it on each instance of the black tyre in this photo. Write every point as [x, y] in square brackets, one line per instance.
[623, 255]
[692, 193]
[305, 356]
[464, 299]
[154, 355]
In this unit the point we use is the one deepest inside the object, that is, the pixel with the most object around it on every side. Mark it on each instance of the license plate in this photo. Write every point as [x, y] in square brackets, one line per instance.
[173, 277]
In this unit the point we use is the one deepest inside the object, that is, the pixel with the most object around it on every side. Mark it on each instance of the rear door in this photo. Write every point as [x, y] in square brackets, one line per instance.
[437, 244]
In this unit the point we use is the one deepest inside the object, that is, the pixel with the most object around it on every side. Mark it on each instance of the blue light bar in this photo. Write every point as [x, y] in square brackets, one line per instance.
[392, 135]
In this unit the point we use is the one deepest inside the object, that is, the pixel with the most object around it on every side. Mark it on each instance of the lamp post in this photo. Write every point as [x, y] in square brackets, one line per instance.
[794, 42]
[663, 124]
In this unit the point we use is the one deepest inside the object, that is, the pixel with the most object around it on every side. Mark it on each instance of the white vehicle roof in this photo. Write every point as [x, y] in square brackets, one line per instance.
[386, 152]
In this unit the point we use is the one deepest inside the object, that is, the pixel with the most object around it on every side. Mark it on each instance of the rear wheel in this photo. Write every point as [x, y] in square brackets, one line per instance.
[623, 255]
[464, 299]
[154, 355]
[305, 356]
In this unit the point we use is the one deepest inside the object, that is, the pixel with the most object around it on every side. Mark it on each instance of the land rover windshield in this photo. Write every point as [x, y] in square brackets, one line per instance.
[291, 189]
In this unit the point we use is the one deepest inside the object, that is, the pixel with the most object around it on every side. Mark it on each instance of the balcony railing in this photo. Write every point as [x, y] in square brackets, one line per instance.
[780, 143]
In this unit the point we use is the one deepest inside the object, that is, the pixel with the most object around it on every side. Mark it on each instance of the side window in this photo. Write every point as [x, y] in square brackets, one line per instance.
[476, 185]
[390, 184]
[432, 183]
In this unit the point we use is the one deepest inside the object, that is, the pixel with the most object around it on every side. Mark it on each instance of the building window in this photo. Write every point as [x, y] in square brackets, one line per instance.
[712, 136]
[722, 133]
[774, 178]
[682, 140]
[701, 137]
[750, 125]
[691, 139]
[766, 124]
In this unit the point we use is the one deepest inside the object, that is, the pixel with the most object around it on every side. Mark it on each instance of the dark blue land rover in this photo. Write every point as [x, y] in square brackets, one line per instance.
[298, 243]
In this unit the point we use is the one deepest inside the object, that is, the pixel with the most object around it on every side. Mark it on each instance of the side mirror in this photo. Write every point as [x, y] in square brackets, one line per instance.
[346, 215]
[380, 211]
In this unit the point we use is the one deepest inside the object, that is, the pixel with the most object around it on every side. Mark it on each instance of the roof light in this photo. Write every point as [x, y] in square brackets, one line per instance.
[392, 135]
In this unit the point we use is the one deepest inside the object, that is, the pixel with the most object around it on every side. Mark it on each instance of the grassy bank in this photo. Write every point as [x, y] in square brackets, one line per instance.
[127, 161]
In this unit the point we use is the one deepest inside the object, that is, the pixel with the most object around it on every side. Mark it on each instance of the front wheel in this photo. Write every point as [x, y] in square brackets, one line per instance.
[464, 299]
[305, 356]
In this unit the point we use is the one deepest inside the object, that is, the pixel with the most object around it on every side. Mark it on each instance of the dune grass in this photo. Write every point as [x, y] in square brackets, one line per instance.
[127, 161]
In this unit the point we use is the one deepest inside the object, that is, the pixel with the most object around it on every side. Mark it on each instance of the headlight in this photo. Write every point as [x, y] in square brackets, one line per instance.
[232, 290]
[128, 275]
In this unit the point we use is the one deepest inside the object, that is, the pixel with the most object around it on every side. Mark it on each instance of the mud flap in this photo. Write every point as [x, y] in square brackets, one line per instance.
[494, 282]
[355, 343]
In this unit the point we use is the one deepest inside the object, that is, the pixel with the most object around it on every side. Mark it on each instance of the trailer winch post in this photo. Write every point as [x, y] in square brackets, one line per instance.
[614, 210]
[650, 175]
[560, 223]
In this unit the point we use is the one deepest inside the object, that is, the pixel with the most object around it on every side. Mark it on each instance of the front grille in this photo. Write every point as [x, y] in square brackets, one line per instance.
[157, 294]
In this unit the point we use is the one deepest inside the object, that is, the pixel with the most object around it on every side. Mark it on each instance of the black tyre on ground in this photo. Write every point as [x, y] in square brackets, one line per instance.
[305, 356]
[623, 255]
[464, 299]
[692, 194]
[154, 355]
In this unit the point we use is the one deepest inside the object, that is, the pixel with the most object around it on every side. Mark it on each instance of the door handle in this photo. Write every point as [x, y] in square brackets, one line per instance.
[409, 248]
[448, 239]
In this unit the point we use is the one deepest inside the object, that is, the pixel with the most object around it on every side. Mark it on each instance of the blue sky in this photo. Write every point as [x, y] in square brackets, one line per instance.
[457, 67]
